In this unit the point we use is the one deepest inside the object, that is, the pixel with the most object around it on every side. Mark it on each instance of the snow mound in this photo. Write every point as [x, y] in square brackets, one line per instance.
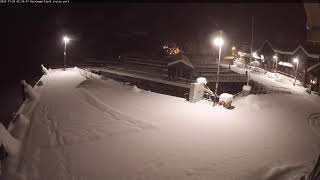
[20, 126]
[246, 88]
[10, 143]
[284, 172]
[44, 70]
[225, 97]
[135, 89]
[202, 80]
[29, 91]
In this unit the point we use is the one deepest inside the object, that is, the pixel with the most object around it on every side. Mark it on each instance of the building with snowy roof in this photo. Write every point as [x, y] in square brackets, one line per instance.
[181, 68]
[307, 54]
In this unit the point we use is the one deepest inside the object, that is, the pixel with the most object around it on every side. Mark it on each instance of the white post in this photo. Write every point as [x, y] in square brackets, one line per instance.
[276, 66]
[295, 78]
[65, 54]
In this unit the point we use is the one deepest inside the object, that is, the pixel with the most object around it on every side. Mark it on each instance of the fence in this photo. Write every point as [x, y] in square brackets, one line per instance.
[86, 73]
[261, 89]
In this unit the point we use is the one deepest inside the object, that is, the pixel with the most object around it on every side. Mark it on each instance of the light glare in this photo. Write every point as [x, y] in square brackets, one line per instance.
[66, 39]
[218, 41]
[254, 54]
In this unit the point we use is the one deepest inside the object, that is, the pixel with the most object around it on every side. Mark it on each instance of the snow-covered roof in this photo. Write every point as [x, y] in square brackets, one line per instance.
[313, 67]
[288, 52]
[308, 54]
[185, 60]
[288, 64]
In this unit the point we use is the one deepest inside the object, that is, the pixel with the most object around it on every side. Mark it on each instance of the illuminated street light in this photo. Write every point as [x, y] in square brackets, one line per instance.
[275, 57]
[218, 41]
[65, 40]
[254, 54]
[296, 60]
[233, 49]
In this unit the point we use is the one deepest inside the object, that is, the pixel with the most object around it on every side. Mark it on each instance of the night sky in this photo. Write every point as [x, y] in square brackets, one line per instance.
[34, 32]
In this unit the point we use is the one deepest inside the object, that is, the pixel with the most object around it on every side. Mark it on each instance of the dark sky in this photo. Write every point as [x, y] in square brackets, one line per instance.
[33, 33]
[108, 29]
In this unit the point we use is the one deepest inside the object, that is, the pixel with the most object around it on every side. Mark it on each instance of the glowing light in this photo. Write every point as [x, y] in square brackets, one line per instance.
[233, 48]
[275, 57]
[254, 54]
[218, 41]
[66, 39]
[262, 57]
[296, 60]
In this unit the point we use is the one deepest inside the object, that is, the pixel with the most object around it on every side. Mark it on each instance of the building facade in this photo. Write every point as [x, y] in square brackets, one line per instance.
[282, 61]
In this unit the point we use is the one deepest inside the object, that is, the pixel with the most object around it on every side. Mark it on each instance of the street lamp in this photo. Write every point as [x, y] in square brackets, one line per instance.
[262, 57]
[233, 49]
[254, 54]
[275, 57]
[218, 41]
[296, 60]
[65, 40]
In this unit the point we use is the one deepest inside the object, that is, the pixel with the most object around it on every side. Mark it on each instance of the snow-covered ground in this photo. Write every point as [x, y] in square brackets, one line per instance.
[272, 80]
[102, 129]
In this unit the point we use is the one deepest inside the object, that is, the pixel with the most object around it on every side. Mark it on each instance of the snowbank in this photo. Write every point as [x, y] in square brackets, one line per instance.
[28, 90]
[10, 143]
[135, 89]
[44, 70]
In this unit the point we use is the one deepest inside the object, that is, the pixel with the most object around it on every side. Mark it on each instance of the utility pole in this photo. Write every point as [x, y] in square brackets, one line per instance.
[252, 21]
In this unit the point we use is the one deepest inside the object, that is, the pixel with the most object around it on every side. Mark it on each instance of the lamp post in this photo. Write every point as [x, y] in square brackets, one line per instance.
[275, 58]
[65, 40]
[296, 60]
[254, 55]
[252, 21]
[233, 49]
[218, 41]
[262, 58]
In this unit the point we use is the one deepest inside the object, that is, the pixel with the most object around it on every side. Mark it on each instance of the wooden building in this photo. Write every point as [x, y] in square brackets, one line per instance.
[180, 69]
